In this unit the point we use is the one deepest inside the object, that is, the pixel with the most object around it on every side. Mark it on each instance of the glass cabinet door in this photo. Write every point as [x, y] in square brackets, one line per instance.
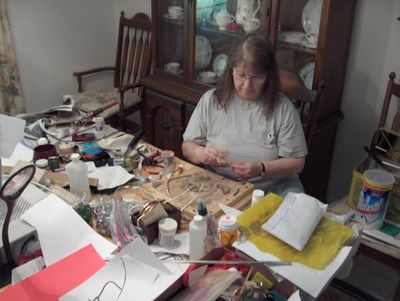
[298, 31]
[170, 21]
[219, 26]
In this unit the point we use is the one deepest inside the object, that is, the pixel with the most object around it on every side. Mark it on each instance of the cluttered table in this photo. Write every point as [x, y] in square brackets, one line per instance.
[144, 175]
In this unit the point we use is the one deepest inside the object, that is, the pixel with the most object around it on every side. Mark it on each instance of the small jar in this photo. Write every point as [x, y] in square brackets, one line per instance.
[166, 231]
[257, 195]
[228, 230]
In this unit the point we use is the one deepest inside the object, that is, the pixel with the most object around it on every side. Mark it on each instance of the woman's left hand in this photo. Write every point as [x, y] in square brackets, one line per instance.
[246, 170]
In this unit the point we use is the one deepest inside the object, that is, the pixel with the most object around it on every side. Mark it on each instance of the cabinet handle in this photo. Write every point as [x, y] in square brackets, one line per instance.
[164, 125]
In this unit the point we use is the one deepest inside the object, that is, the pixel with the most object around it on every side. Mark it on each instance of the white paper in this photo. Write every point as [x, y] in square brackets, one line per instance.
[21, 153]
[146, 277]
[62, 231]
[307, 279]
[110, 176]
[180, 246]
[11, 132]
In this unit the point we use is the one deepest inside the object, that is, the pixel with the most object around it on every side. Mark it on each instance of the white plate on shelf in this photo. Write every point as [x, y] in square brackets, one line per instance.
[292, 36]
[203, 52]
[311, 16]
[220, 63]
[168, 17]
[307, 74]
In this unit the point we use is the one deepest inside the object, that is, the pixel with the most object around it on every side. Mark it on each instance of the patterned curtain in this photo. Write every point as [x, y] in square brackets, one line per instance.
[11, 102]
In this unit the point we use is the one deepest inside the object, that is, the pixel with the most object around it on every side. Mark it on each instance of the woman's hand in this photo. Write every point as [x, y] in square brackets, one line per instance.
[246, 170]
[211, 155]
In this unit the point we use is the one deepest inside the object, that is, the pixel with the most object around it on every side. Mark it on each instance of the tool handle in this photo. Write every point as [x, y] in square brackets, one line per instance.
[134, 141]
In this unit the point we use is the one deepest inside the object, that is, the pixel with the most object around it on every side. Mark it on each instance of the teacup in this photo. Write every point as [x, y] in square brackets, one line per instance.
[173, 67]
[175, 12]
[312, 40]
[251, 24]
[208, 76]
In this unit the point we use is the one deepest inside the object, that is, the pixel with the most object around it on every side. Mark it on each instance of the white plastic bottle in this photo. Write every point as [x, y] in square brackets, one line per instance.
[257, 195]
[197, 237]
[78, 177]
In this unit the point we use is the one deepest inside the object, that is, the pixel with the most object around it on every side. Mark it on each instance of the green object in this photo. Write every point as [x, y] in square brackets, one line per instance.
[85, 211]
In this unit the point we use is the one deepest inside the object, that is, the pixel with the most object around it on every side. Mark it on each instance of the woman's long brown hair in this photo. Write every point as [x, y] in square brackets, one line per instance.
[255, 50]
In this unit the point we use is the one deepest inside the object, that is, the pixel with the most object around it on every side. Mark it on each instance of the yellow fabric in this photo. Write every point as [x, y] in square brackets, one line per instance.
[323, 245]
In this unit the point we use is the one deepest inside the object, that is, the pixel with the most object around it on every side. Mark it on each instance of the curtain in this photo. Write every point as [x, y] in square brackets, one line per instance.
[11, 102]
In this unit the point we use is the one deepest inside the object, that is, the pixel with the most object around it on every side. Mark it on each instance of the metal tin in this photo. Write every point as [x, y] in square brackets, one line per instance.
[54, 162]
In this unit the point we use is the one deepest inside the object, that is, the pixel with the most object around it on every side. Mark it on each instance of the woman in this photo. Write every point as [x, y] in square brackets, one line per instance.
[246, 129]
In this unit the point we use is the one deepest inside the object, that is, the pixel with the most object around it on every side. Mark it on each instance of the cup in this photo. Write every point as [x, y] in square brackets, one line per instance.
[312, 40]
[175, 12]
[173, 67]
[251, 24]
[208, 76]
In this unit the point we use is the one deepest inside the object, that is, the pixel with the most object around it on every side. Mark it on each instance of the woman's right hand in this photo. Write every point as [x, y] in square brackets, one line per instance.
[211, 155]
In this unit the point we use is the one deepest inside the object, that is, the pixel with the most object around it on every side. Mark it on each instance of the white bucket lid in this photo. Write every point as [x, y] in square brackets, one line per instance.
[379, 177]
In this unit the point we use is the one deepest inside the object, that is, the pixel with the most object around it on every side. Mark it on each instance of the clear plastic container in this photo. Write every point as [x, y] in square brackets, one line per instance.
[78, 177]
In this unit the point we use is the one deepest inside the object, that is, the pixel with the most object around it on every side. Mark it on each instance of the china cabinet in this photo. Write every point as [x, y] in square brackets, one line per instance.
[191, 45]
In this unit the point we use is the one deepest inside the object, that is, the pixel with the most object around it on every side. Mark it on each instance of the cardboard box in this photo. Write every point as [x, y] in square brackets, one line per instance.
[284, 287]
[393, 213]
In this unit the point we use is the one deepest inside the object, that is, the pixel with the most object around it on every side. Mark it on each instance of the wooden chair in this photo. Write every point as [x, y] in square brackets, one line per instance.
[307, 101]
[132, 62]
[391, 89]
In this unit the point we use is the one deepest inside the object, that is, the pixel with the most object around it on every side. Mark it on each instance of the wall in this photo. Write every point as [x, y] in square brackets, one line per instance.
[373, 55]
[131, 7]
[54, 38]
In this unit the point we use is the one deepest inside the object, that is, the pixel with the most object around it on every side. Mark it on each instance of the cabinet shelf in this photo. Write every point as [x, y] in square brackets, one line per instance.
[298, 48]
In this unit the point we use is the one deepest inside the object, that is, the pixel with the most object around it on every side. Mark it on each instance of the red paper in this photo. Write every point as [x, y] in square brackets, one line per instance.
[57, 279]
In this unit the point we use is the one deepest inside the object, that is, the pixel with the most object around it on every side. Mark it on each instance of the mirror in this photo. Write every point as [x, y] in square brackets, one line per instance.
[9, 193]
[16, 183]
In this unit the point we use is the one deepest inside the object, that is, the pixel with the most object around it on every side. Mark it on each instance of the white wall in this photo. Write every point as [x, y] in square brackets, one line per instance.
[54, 38]
[131, 7]
[373, 55]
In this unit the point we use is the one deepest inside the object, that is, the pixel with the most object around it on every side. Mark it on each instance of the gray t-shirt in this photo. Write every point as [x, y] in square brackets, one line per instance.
[245, 132]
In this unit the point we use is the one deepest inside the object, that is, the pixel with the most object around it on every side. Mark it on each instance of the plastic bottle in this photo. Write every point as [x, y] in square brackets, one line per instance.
[197, 236]
[78, 177]
[212, 239]
[257, 194]
[228, 230]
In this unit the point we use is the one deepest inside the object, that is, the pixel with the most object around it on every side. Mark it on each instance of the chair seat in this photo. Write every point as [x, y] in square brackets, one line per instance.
[92, 100]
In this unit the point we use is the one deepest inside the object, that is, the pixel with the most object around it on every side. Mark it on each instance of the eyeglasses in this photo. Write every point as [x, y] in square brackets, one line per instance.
[255, 80]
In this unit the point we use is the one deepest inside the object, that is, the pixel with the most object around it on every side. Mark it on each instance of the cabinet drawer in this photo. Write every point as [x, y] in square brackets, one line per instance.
[163, 121]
